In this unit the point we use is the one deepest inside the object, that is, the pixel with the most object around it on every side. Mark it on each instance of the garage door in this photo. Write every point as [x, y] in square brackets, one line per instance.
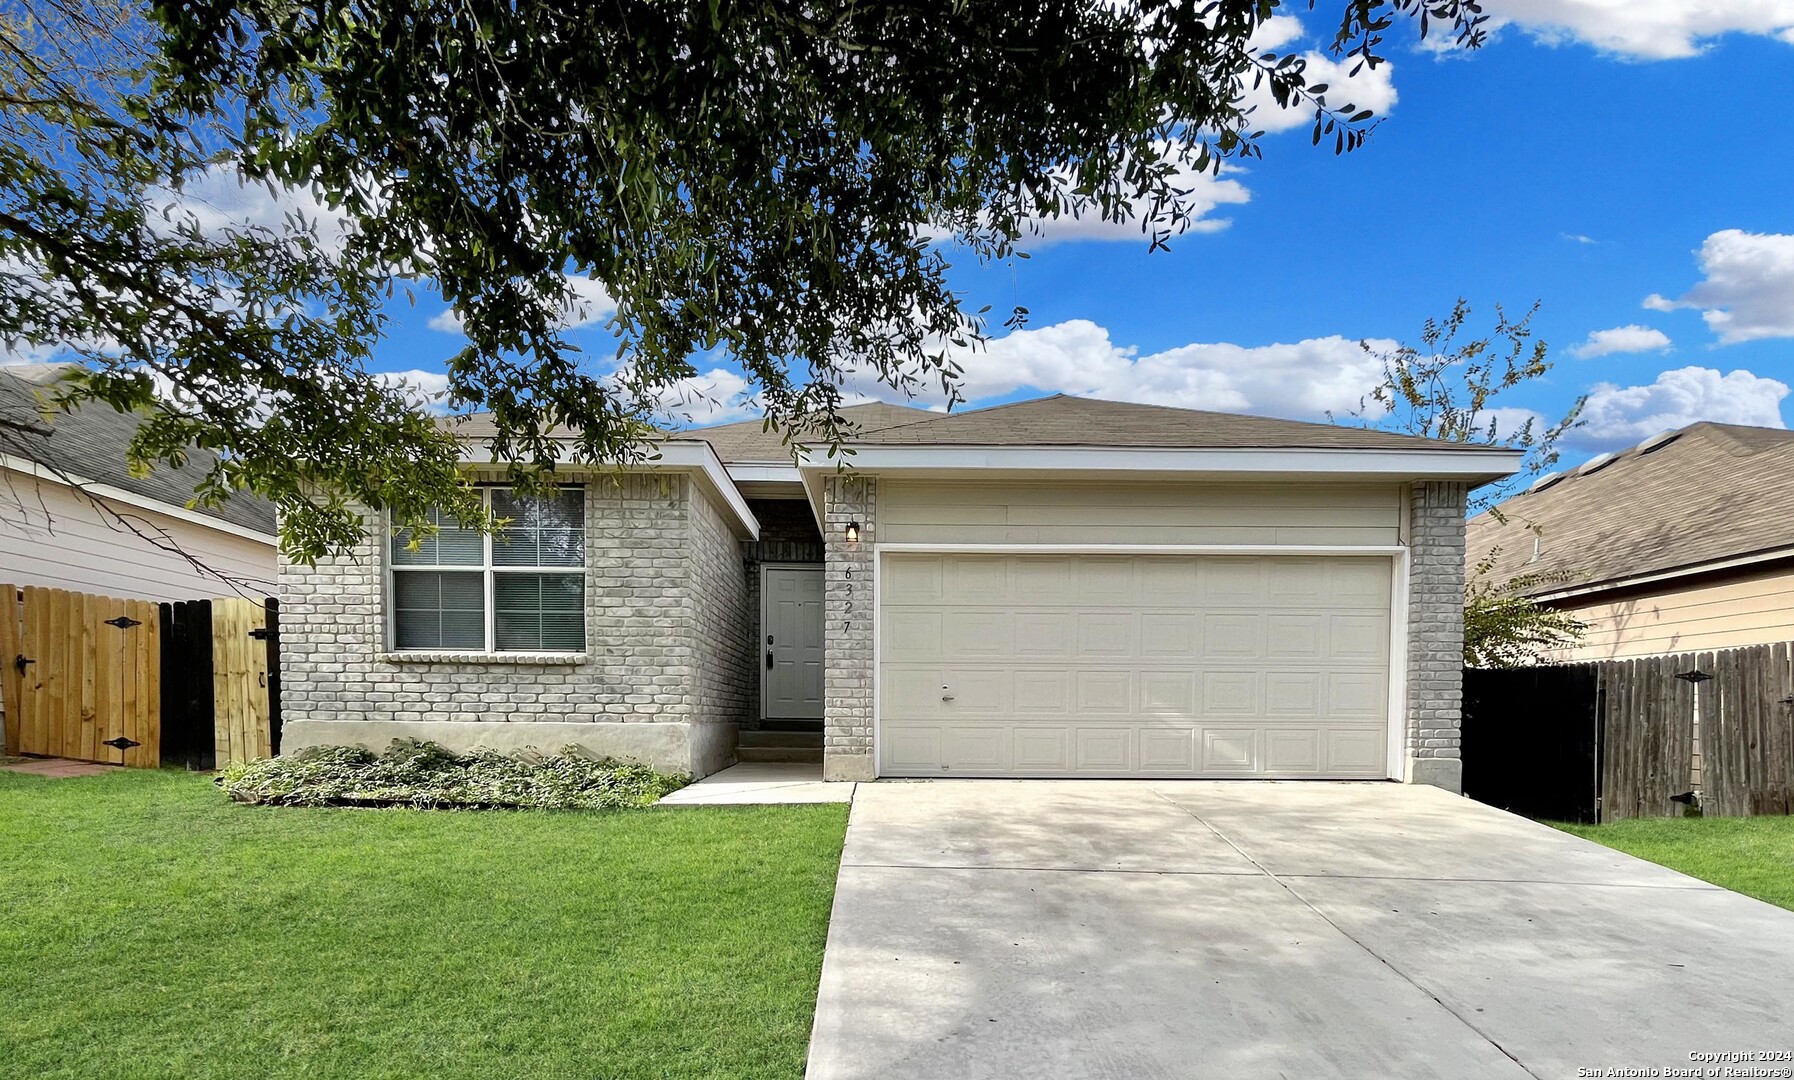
[1133, 665]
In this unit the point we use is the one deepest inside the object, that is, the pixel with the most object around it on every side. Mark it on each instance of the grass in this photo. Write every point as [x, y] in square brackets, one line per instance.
[1754, 856]
[150, 928]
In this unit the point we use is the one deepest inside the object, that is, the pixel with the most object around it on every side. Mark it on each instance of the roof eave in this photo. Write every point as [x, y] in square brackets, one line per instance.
[692, 457]
[1471, 466]
[1633, 581]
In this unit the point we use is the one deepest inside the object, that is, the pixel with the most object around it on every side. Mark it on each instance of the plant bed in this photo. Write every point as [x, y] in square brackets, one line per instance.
[424, 775]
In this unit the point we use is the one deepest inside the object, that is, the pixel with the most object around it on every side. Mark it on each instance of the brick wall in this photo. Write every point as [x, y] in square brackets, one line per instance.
[724, 636]
[1435, 672]
[787, 535]
[666, 633]
[847, 627]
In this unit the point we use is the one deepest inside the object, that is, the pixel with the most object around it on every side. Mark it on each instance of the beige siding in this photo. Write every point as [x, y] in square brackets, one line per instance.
[1098, 512]
[52, 536]
[1749, 609]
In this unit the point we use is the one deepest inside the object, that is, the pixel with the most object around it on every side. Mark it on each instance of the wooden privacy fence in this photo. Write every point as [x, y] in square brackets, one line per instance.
[135, 683]
[1651, 737]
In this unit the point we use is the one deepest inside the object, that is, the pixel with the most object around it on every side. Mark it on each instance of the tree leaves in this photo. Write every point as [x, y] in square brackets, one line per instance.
[782, 182]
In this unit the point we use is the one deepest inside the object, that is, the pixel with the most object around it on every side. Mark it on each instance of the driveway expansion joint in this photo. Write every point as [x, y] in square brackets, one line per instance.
[1348, 935]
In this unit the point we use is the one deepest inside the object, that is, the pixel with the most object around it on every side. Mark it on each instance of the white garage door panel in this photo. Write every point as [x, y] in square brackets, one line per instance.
[1126, 665]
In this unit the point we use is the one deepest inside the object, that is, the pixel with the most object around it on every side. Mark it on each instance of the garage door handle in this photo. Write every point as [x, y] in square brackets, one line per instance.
[946, 694]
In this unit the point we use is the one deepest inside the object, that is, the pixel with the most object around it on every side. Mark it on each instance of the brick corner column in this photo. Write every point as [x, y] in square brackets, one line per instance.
[1435, 634]
[848, 613]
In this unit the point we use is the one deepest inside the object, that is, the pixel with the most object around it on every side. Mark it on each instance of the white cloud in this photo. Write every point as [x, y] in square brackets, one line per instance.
[220, 199]
[717, 396]
[1642, 29]
[1631, 338]
[1748, 293]
[1204, 192]
[590, 304]
[1374, 90]
[428, 389]
[1618, 416]
[1508, 420]
[1304, 379]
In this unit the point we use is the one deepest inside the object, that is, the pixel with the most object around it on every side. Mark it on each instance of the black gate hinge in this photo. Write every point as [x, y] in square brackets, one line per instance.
[124, 622]
[260, 633]
[121, 743]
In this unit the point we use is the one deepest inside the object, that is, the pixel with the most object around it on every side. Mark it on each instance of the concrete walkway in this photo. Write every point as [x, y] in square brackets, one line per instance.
[759, 782]
[1183, 929]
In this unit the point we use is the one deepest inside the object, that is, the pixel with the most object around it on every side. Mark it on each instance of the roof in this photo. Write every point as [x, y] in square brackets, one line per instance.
[750, 441]
[1705, 494]
[1057, 421]
[1062, 420]
[746, 440]
[89, 443]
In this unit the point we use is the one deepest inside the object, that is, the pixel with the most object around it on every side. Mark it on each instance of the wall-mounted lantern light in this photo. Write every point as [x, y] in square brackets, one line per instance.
[853, 532]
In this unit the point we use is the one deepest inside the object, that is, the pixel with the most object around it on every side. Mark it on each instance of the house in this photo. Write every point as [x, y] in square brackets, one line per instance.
[73, 515]
[1057, 587]
[1684, 542]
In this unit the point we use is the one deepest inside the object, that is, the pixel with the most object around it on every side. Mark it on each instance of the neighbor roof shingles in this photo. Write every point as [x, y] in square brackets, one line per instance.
[89, 443]
[1714, 492]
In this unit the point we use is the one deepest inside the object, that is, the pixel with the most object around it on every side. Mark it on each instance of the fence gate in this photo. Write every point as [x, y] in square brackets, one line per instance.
[133, 682]
[1531, 740]
[245, 692]
[82, 676]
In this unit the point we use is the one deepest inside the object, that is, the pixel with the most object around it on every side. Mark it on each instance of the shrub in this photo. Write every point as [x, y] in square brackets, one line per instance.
[426, 775]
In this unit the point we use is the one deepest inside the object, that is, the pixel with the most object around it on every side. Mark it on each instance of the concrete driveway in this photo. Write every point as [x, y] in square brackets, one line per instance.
[1185, 929]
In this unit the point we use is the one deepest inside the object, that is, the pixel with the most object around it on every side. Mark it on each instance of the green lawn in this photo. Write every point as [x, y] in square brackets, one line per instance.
[1754, 856]
[149, 928]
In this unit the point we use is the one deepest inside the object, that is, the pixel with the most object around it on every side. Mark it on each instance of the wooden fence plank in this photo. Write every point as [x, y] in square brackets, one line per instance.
[31, 644]
[11, 648]
[85, 613]
[149, 658]
[255, 677]
[110, 696]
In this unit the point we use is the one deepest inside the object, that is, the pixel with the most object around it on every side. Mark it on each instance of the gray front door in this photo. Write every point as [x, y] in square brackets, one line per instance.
[791, 618]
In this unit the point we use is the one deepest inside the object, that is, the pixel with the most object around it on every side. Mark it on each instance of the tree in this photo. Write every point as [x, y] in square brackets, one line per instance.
[1503, 627]
[1448, 388]
[779, 180]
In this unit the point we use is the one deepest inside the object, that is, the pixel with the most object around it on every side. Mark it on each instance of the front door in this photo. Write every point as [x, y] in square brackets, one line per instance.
[791, 621]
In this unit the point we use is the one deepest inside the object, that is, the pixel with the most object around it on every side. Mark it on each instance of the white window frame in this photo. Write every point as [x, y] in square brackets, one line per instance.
[487, 572]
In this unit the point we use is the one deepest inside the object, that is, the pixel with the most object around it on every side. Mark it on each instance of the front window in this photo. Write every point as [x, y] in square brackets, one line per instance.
[521, 589]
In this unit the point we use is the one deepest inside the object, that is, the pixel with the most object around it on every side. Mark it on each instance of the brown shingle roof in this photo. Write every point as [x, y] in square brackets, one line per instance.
[750, 441]
[1059, 420]
[89, 443]
[747, 440]
[1712, 492]
[1077, 421]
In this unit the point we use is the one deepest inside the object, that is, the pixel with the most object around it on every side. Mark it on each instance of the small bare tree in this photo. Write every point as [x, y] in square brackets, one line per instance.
[1448, 388]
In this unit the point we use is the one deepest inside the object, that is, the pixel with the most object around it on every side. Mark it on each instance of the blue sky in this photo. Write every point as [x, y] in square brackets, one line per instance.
[1607, 160]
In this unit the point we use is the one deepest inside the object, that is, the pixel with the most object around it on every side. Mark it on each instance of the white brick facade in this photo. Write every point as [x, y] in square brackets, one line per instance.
[667, 645]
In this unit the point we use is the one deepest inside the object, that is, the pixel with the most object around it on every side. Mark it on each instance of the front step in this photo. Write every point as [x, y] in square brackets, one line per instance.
[809, 755]
[781, 738]
[800, 746]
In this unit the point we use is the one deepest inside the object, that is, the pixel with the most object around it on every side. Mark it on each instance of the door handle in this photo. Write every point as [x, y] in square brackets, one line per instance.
[946, 694]
[769, 660]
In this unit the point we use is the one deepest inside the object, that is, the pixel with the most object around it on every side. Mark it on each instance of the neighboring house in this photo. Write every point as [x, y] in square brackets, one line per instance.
[1057, 587]
[73, 516]
[1683, 542]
